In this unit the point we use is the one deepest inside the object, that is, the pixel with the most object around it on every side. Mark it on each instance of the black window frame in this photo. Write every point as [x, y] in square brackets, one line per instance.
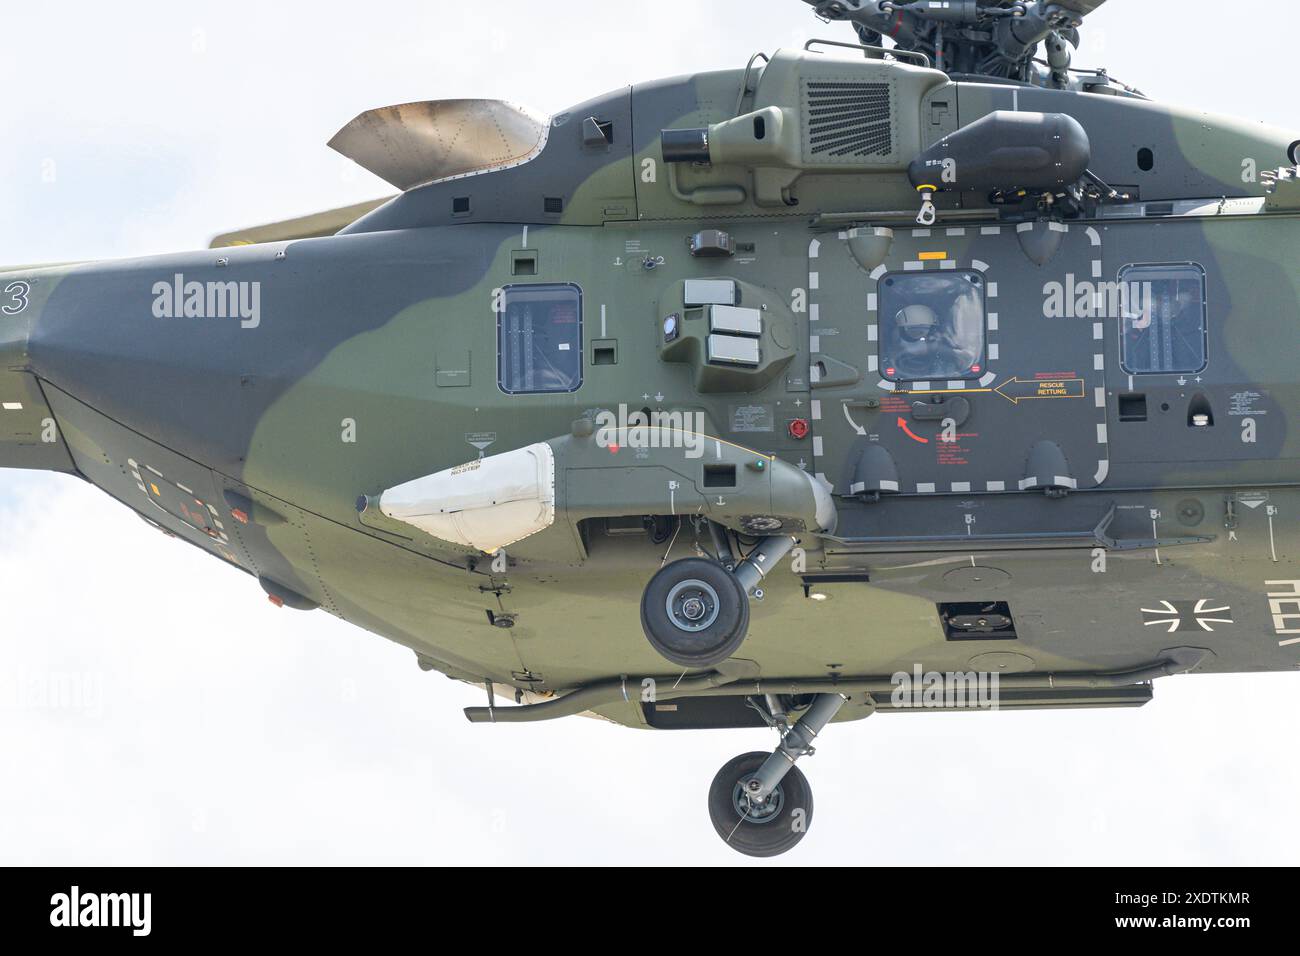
[1205, 317]
[884, 324]
[501, 351]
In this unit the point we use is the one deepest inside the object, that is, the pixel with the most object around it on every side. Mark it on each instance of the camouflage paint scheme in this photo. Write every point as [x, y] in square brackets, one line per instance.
[390, 324]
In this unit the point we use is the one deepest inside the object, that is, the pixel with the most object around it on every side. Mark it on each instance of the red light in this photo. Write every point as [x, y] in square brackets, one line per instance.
[613, 449]
[239, 515]
[277, 601]
[799, 428]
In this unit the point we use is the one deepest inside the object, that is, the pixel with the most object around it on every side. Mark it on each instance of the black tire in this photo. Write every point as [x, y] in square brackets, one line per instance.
[723, 605]
[787, 822]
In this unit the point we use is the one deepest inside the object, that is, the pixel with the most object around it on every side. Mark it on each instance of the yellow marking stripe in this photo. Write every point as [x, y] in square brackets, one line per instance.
[943, 391]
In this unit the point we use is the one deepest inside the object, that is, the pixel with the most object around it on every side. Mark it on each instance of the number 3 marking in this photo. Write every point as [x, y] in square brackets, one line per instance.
[18, 292]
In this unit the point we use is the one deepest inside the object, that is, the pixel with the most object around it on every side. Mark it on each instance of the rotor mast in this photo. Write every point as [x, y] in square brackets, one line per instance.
[994, 38]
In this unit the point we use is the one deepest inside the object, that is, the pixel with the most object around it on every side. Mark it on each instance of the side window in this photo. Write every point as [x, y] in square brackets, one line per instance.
[539, 339]
[932, 326]
[1164, 318]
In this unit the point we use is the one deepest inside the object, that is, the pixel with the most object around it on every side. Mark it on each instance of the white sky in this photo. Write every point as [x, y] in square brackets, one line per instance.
[216, 729]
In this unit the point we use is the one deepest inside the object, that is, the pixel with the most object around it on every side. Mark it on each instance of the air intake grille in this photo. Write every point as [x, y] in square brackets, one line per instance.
[848, 122]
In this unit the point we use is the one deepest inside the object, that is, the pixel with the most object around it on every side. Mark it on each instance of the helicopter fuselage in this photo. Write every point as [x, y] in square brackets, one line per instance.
[1058, 442]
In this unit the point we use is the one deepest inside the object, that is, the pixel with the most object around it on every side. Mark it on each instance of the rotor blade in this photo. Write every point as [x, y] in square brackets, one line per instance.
[304, 227]
[33, 266]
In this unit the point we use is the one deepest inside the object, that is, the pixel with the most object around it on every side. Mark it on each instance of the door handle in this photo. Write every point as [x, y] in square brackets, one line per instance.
[955, 408]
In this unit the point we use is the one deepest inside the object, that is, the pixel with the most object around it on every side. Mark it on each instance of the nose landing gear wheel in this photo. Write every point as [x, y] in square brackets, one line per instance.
[695, 613]
[769, 828]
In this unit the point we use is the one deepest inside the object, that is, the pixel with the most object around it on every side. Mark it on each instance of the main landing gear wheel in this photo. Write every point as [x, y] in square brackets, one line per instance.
[695, 612]
[766, 828]
[761, 804]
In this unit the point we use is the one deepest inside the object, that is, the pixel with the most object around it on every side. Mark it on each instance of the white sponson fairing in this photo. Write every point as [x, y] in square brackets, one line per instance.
[827, 516]
[495, 501]
[484, 504]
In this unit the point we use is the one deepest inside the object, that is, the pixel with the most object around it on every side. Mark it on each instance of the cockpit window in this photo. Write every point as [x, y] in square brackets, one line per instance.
[1164, 318]
[539, 338]
[932, 326]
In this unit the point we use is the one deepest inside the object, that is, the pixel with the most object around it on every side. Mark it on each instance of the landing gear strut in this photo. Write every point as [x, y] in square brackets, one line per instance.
[761, 804]
[695, 612]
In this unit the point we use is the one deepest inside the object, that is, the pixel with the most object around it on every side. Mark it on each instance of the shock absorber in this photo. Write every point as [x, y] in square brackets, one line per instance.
[765, 556]
[795, 744]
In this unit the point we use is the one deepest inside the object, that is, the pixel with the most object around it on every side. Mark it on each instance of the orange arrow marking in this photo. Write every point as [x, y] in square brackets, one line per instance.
[902, 423]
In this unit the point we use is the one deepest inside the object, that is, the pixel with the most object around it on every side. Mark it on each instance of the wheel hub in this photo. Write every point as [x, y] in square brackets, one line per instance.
[747, 809]
[692, 605]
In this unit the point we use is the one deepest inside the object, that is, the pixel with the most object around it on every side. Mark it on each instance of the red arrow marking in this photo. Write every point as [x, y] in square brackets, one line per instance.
[902, 423]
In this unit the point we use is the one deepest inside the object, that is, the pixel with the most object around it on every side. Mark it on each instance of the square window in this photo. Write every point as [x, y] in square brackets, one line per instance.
[539, 338]
[932, 326]
[523, 264]
[1163, 318]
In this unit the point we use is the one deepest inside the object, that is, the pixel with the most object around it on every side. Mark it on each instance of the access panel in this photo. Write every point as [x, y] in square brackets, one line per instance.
[961, 359]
